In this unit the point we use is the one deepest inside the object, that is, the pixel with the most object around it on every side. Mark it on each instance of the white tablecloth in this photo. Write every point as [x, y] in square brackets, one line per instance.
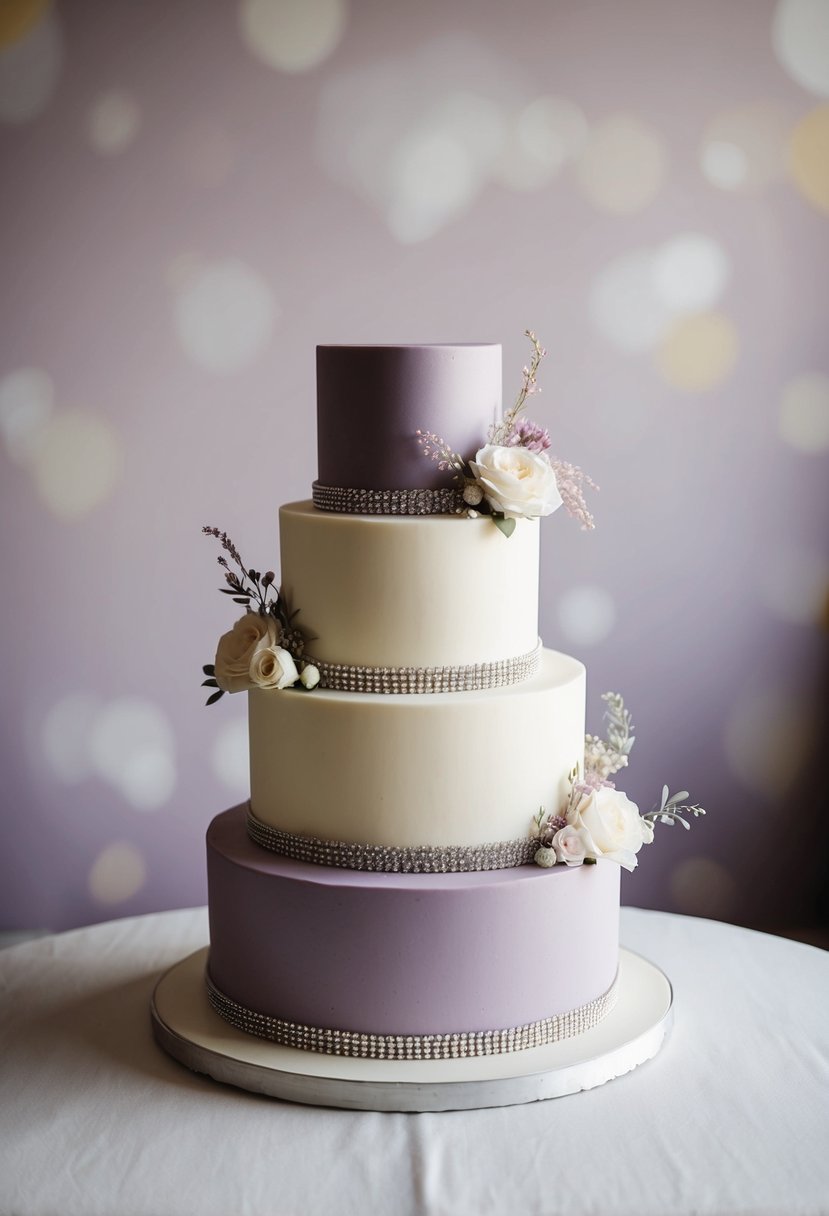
[732, 1116]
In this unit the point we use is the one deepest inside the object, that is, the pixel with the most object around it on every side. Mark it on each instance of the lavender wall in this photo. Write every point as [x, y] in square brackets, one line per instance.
[195, 194]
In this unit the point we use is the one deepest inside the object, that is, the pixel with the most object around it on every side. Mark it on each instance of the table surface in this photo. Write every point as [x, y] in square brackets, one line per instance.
[731, 1117]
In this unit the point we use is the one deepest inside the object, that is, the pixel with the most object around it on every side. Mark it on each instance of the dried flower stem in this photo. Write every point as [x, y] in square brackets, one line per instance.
[500, 434]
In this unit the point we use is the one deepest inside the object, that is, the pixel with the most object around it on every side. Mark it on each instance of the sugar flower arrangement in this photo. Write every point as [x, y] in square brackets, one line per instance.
[513, 475]
[598, 820]
[265, 648]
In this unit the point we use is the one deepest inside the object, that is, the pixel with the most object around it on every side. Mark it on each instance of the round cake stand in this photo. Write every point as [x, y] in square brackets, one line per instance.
[188, 1029]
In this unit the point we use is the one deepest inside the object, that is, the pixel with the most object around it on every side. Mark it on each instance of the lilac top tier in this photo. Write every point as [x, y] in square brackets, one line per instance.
[372, 400]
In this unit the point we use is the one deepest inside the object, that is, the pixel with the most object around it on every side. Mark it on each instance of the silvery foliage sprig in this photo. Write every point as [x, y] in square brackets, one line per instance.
[259, 593]
[671, 809]
[514, 431]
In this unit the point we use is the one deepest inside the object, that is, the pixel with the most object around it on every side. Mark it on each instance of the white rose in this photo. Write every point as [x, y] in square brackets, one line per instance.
[516, 481]
[236, 650]
[569, 846]
[310, 676]
[610, 826]
[273, 667]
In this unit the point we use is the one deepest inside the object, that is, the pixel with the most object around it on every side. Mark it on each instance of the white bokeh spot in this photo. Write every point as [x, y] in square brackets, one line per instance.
[745, 149]
[76, 462]
[224, 315]
[27, 399]
[113, 122]
[65, 736]
[119, 872]
[131, 746]
[768, 735]
[543, 137]
[804, 413]
[691, 272]
[30, 69]
[231, 757]
[292, 35]
[586, 615]
[800, 36]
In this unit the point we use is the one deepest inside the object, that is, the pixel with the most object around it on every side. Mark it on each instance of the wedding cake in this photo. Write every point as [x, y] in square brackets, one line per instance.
[429, 863]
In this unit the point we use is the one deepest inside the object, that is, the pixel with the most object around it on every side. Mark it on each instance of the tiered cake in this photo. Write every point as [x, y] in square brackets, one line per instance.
[378, 896]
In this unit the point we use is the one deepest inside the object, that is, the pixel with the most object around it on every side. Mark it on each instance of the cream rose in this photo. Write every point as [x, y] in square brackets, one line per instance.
[610, 826]
[273, 667]
[516, 481]
[236, 650]
[569, 846]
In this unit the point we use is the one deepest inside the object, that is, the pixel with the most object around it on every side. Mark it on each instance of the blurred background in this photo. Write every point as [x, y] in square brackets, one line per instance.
[196, 193]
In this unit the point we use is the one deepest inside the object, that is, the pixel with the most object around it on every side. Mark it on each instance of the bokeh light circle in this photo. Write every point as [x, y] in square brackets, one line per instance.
[698, 352]
[703, 887]
[292, 35]
[800, 37]
[622, 166]
[30, 69]
[543, 137]
[76, 462]
[809, 157]
[690, 272]
[586, 614]
[27, 399]
[65, 736]
[131, 746]
[113, 123]
[118, 873]
[224, 315]
[804, 413]
[624, 304]
[17, 17]
[746, 149]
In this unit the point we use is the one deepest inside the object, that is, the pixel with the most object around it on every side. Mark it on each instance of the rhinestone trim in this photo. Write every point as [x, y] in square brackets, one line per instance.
[412, 1046]
[388, 859]
[469, 677]
[445, 501]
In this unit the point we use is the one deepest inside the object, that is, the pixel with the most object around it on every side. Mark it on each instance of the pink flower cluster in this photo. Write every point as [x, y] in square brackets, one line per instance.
[528, 434]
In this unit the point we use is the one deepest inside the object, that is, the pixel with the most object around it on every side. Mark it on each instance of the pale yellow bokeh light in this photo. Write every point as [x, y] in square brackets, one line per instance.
[118, 873]
[29, 70]
[231, 757]
[113, 122]
[804, 413]
[698, 352]
[131, 746]
[292, 35]
[809, 157]
[17, 17]
[800, 37]
[76, 462]
[224, 315]
[586, 614]
[27, 399]
[622, 166]
[702, 887]
[65, 736]
[768, 736]
[746, 149]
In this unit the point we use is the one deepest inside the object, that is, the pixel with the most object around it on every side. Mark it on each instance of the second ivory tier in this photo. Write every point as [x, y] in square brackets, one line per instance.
[413, 591]
[417, 770]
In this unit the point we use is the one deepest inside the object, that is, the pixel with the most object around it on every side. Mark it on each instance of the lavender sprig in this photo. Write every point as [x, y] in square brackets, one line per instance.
[438, 450]
[499, 433]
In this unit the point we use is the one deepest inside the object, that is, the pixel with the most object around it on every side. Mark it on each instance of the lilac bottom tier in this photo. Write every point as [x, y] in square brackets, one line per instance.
[414, 965]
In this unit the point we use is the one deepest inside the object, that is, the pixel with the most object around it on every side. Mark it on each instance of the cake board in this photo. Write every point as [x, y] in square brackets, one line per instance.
[188, 1029]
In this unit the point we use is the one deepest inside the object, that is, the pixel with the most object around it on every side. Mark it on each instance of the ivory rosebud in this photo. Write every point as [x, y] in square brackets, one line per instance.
[309, 676]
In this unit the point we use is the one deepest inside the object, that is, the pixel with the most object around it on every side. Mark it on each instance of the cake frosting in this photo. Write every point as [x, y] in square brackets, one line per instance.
[428, 866]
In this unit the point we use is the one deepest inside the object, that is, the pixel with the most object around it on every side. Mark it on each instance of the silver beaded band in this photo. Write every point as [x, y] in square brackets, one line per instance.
[469, 677]
[412, 1046]
[388, 859]
[444, 501]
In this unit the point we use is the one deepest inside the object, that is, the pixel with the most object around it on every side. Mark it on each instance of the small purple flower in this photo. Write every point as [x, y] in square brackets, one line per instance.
[528, 434]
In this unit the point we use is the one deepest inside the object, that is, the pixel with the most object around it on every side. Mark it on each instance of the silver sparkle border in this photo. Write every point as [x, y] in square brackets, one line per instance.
[412, 1046]
[466, 677]
[348, 501]
[389, 859]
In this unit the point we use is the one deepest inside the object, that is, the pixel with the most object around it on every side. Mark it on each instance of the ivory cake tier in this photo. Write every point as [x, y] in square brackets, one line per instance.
[430, 591]
[405, 954]
[417, 769]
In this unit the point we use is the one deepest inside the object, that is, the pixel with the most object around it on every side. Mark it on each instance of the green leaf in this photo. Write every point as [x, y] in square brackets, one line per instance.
[209, 669]
[214, 697]
[507, 526]
[209, 684]
[665, 792]
[241, 599]
[676, 798]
